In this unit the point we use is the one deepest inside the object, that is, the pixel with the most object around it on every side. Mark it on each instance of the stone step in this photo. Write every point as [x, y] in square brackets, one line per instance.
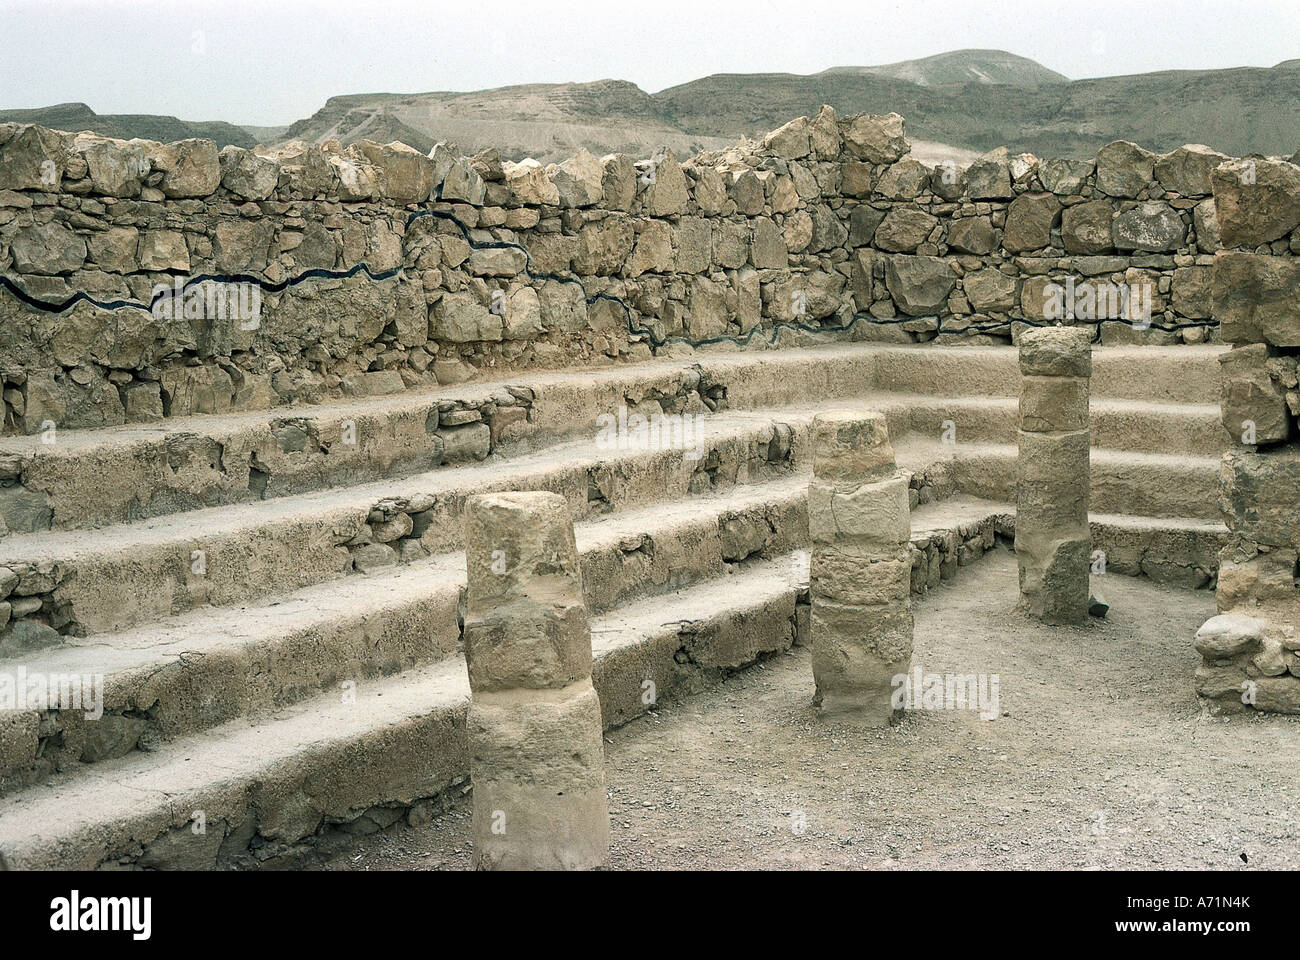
[264, 789]
[96, 581]
[111, 578]
[93, 477]
[1124, 482]
[1179, 374]
[208, 666]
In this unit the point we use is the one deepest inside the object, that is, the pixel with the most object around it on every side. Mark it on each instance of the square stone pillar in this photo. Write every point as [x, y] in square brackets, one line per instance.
[1053, 540]
[537, 759]
[859, 521]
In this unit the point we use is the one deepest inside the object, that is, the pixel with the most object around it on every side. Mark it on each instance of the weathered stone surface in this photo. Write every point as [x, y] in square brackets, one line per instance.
[405, 175]
[47, 249]
[578, 180]
[1065, 177]
[1151, 227]
[31, 157]
[618, 181]
[1257, 200]
[904, 180]
[1205, 220]
[990, 290]
[876, 139]
[529, 183]
[462, 318]
[791, 141]
[1193, 292]
[1257, 493]
[117, 167]
[1257, 298]
[191, 168]
[1124, 169]
[919, 285]
[989, 177]
[666, 193]
[463, 183]
[1056, 352]
[904, 229]
[1187, 170]
[973, 235]
[1253, 404]
[163, 250]
[304, 169]
[1086, 227]
[247, 175]
[1030, 219]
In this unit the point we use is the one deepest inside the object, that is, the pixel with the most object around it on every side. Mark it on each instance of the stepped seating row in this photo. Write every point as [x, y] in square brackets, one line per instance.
[288, 663]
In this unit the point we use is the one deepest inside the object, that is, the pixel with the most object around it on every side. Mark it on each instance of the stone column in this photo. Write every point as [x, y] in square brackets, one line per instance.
[1053, 541]
[860, 580]
[536, 756]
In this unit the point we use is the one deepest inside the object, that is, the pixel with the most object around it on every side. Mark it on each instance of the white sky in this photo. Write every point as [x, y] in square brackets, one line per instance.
[270, 63]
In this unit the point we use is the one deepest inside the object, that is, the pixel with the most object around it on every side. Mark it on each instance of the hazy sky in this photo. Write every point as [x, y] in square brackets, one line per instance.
[271, 63]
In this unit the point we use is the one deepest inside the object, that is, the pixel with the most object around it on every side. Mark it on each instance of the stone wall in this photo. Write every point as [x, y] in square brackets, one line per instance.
[380, 269]
[1251, 651]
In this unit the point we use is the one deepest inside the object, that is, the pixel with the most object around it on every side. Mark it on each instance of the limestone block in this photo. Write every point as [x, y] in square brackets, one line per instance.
[1257, 200]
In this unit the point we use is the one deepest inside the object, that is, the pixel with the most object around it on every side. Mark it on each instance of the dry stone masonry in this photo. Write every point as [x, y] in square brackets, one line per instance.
[1053, 540]
[534, 727]
[859, 523]
[378, 268]
[1251, 650]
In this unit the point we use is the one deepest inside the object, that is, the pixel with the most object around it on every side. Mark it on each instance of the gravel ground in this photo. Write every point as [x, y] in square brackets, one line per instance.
[1101, 758]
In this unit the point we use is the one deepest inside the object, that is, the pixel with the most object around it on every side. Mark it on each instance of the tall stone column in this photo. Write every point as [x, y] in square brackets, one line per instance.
[1053, 541]
[536, 756]
[860, 579]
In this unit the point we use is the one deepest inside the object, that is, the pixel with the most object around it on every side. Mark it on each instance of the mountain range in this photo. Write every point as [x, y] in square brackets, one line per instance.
[957, 105]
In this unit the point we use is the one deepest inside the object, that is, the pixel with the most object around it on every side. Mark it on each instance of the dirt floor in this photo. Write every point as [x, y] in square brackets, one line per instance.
[1102, 757]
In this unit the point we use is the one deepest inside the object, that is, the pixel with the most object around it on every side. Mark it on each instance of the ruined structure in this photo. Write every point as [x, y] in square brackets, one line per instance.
[1053, 543]
[859, 525]
[246, 397]
[536, 757]
[1251, 651]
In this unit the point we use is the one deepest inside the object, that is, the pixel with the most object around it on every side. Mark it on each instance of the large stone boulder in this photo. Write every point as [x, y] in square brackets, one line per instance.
[791, 141]
[463, 183]
[247, 175]
[876, 139]
[919, 285]
[904, 180]
[117, 168]
[1253, 404]
[1086, 227]
[1256, 297]
[1065, 177]
[305, 168]
[191, 168]
[904, 229]
[47, 249]
[1152, 227]
[1030, 219]
[529, 183]
[665, 186]
[989, 177]
[462, 318]
[578, 180]
[31, 157]
[1187, 170]
[973, 235]
[1124, 169]
[405, 174]
[1258, 200]
[990, 290]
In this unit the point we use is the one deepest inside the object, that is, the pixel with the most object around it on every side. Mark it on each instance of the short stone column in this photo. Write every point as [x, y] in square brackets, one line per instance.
[860, 574]
[1053, 541]
[537, 759]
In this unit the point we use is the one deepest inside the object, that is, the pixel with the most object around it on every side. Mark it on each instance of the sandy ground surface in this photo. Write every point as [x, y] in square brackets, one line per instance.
[1101, 757]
